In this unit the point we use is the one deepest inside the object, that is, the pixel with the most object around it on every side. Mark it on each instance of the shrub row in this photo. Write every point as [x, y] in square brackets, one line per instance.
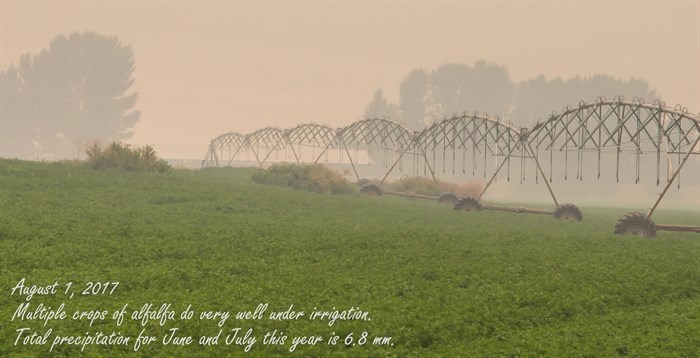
[118, 155]
[313, 177]
[426, 186]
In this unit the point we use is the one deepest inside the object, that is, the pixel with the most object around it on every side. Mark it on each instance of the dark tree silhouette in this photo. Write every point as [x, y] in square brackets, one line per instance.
[412, 98]
[425, 97]
[454, 88]
[537, 98]
[380, 107]
[70, 94]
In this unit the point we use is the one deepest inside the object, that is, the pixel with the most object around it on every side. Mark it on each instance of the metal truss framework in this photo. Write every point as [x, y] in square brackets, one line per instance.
[600, 128]
[230, 143]
[375, 134]
[312, 135]
[616, 127]
[479, 134]
[228, 147]
[264, 142]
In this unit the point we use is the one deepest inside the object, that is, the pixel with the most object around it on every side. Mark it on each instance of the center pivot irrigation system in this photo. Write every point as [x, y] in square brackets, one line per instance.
[624, 135]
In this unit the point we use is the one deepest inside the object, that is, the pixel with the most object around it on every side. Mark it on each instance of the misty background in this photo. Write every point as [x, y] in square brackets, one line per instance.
[77, 92]
[177, 76]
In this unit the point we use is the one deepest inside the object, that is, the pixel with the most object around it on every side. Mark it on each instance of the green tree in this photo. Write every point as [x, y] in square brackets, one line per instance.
[71, 93]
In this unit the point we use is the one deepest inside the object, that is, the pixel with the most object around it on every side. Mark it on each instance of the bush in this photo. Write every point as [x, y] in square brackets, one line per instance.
[118, 155]
[426, 186]
[313, 177]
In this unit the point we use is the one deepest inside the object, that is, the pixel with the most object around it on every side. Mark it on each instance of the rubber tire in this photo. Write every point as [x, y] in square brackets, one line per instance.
[371, 190]
[467, 204]
[636, 224]
[568, 212]
[448, 198]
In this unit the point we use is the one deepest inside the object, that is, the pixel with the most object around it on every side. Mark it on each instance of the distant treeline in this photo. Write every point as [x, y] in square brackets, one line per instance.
[425, 96]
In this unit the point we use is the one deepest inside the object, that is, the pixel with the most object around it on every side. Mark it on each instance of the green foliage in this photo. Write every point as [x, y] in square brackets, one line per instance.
[426, 186]
[118, 155]
[440, 282]
[312, 177]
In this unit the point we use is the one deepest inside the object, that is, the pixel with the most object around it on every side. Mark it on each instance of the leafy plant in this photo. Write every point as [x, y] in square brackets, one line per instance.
[118, 155]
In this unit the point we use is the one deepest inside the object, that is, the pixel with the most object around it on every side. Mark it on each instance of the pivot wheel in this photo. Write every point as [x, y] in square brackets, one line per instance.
[371, 190]
[567, 212]
[468, 204]
[636, 224]
[447, 198]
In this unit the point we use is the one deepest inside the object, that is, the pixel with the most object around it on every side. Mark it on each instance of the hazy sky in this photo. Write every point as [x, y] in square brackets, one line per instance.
[204, 68]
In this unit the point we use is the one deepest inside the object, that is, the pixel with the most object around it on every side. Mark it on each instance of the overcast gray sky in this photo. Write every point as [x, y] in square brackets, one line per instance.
[204, 68]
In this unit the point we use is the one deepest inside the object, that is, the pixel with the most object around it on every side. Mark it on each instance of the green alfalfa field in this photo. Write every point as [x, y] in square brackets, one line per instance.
[438, 282]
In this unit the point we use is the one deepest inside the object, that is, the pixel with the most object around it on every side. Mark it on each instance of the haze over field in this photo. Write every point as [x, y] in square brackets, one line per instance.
[219, 178]
[205, 68]
[210, 67]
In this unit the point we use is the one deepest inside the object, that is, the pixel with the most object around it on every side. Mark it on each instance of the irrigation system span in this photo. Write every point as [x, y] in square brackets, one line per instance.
[574, 142]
